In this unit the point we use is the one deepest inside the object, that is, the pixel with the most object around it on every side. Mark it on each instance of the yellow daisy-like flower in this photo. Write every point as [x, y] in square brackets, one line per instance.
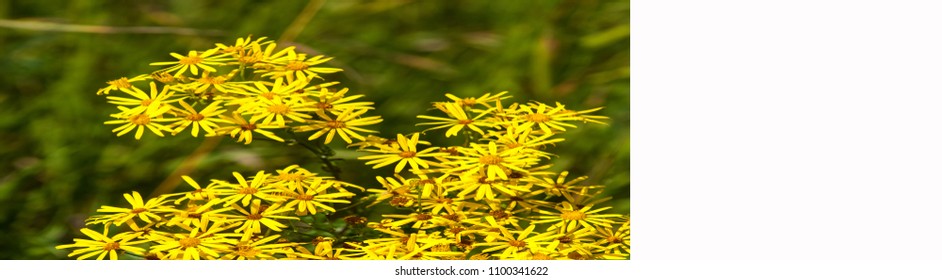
[510, 246]
[262, 249]
[616, 241]
[252, 220]
[193, 61]
[197, 215]
[460, 121]
[193, 246]
[297, 65]
[103, 245]
[313, 196]
[143, 211]
[197, 194]
[405, 153]
[244, 191]
[259, 90]
[482, 100]
[568, 218]
[482, 187]
[205, 119]
[237, 125]
[274, 111]
[346, 125]
[488, 159]
[337, 102]
[141, 99]
[548, 121]
[123, 84]
[129, 119]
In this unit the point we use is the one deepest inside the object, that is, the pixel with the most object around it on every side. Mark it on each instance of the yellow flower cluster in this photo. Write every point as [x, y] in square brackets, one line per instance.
[239, 90]
[238, 219]
[491, 197]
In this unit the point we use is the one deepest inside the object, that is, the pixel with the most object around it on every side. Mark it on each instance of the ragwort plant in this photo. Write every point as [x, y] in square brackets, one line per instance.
[488, 195]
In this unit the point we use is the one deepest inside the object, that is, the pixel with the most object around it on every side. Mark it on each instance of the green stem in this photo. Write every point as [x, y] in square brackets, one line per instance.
[322, 152]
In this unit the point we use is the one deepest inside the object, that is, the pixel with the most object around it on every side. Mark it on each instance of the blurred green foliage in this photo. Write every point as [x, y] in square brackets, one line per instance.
[58, 162]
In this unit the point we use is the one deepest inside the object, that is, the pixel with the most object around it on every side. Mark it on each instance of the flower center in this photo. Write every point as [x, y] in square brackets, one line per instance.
[247, 127]
[540, 256]
[469, 101]
[575, 256]
[324, 106]
[335, 124]
[254, 216]
[423, 217]
[191, 60]
[407, 154]
[138, 210]
[213, 80]
[268, 95]
[614, 240]
[296, 65]
[305, 197]
[194, 117]
[280, 109]
[141, 119]
[465, 121]
[189, 242]
[146, 102]
[517, 243]
[538, 118]
[111, 246]
[573, 215]
[497, 214]
[120, 83]
[490, 159]
[249, 190]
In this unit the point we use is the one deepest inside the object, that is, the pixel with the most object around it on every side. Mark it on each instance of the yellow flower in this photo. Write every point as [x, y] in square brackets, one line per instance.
[337, 102]
[102, 245]
[260, 90]
[308, 199]
[405, 153]
[193, 61]
[129, 119]
[510, 246]
[275, 110]
[139, 209]
[560, 187]
[197, 215]
[141, 99]
[252, 220]
[193, 246]
[482, 187]
[206, 119]
[392, 188]
[122, 84]
[297, 65]
[548, 121]
[472, 101]
[346, 125]
[244, 191]
[197, 194]
[258, 250]
[495, 163]
[460, 120]
[568, 218]
[617, 241]
[418, 220]
[237, 125]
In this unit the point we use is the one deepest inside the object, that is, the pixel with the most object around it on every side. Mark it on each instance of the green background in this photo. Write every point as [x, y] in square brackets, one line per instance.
[58, 162]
